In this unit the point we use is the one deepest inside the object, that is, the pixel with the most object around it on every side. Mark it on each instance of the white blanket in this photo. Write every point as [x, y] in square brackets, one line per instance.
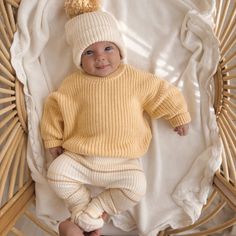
[173, 39]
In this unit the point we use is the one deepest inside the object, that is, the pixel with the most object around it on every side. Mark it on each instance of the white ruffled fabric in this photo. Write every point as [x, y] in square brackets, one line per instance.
[173, 39]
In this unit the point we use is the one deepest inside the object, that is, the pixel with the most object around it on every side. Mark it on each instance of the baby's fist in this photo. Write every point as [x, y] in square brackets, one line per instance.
[56, 151]
[182, 130]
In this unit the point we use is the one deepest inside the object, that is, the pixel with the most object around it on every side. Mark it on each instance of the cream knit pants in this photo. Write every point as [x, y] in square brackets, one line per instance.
[123, 179]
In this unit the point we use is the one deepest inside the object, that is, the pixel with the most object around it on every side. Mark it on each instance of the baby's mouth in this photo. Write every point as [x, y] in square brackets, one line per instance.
[101, 67]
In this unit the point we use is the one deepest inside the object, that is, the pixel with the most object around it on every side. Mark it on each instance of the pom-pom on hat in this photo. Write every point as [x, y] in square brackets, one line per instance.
[88, 26]
[76, 7]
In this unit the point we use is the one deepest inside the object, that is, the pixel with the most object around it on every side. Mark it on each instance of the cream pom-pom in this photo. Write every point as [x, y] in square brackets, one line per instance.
[77, 7]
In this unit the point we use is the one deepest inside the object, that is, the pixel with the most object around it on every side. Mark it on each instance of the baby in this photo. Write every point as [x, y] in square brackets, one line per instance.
[96, 123]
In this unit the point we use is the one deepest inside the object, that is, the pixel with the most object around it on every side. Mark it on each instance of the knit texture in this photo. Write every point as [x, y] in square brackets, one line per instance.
[88, 28]
[124, 186]
[104, 116]
[77, 7]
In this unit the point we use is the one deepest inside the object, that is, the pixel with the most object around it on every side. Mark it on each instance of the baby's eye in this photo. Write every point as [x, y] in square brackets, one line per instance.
[88, 53]
[108, 48]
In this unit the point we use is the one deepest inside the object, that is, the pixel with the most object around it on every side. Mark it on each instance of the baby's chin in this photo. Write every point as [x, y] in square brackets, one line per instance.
[103, 72]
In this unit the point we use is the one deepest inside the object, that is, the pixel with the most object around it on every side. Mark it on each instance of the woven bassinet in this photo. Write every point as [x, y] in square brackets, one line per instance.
[16, 186]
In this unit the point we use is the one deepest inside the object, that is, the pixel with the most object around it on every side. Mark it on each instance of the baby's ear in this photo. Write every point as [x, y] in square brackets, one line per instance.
[76, 7]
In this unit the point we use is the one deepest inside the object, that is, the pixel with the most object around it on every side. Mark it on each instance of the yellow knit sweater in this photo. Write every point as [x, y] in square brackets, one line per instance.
[105, 116]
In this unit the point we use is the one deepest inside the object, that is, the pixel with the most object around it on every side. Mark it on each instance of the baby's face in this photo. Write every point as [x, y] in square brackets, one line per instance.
[101, 59]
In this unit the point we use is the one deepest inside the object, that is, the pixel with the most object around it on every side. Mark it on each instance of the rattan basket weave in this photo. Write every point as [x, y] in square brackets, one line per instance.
[16, 186]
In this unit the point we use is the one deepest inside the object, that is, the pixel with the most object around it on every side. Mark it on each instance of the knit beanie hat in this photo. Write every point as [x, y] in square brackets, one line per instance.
[88, 26]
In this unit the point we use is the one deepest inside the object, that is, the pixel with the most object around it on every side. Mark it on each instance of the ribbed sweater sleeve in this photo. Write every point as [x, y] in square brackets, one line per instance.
[52, 123]
[166, 101]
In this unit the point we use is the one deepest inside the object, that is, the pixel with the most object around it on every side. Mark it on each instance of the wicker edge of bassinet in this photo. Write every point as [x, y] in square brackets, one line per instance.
[16, 186]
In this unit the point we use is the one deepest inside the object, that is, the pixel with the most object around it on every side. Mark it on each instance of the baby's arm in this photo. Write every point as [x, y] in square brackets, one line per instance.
[52, 126]
[182, 130]
[56, 151]
[166, 101]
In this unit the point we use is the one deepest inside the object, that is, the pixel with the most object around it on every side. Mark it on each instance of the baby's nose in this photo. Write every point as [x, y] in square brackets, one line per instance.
[100, 57]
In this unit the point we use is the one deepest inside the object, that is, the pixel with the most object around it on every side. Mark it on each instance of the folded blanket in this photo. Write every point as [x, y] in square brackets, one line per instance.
[173, 39]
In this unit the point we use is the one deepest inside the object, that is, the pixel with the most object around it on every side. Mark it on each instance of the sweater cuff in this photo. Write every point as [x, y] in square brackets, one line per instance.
[181, 119]
[52, 143]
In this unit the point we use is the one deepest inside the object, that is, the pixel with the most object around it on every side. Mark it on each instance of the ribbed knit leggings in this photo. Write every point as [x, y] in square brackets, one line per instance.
[122, 178]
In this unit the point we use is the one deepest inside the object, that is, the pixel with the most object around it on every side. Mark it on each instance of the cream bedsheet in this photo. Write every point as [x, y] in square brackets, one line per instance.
[172, 38]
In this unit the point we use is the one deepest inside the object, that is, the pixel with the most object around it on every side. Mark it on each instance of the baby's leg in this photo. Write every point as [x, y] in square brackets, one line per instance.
[124, 190]
[66, 180]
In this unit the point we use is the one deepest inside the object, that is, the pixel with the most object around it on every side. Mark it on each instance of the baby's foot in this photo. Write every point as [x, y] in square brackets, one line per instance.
[67, 227]
[96, 232]
[88, 223]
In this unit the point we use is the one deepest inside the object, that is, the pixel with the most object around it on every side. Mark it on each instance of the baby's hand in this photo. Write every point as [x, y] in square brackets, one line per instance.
[182, 130]
[56, 151]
